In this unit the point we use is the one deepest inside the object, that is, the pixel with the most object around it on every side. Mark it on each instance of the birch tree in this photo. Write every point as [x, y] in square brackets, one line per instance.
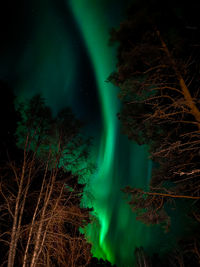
[41, 209]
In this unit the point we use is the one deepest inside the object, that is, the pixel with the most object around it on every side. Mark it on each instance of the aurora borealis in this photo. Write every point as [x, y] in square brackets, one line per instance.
[63, 53]
[107, 183]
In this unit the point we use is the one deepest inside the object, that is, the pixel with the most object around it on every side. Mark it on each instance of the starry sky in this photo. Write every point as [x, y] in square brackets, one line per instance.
[60, 49]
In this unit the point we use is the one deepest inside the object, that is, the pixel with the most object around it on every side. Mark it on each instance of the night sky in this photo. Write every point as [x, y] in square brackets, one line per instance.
[60, 49]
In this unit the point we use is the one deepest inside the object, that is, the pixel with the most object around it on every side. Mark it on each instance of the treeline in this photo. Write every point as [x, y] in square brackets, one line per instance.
[43, 158]
[158, 72]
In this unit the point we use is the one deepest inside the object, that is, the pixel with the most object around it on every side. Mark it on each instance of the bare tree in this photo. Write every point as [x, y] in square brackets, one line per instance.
[41, 199]
[45, 221]
[158, 77]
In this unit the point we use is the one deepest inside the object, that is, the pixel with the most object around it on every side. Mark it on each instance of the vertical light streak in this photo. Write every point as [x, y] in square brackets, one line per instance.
[93, 25]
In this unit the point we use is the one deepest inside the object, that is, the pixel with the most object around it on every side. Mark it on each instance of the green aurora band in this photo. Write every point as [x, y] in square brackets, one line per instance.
[114, 216]
[96, 38]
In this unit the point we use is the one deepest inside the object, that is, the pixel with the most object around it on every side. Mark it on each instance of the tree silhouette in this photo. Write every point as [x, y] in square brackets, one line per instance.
[40, 207]
[158, 76]
[46, 132]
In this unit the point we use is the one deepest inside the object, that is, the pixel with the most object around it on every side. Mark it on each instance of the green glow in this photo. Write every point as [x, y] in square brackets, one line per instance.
[94, 25]
[46, 65]
[102, 59]
[96, 38]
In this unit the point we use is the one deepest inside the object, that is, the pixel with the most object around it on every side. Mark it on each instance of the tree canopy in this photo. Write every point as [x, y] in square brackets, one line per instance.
[41, 211]
[62, 134]
[158, 76]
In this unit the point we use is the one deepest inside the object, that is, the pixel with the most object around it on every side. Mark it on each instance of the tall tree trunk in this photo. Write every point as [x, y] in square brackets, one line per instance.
[41, 224]
[15, 227]
[186, 92]
[33, 219]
